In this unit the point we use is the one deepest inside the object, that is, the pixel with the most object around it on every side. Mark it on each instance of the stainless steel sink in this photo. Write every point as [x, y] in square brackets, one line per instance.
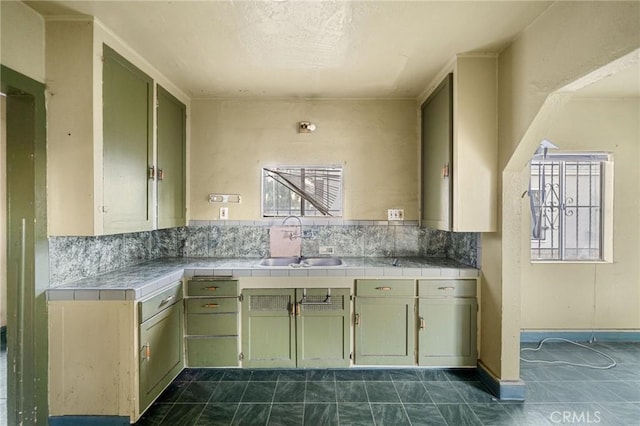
[279, 261]
[297, 262]
[321, 261]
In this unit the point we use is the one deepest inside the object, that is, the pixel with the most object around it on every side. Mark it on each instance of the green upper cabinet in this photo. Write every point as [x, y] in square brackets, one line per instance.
[171, 128]
[460, 147]
[127, 145]
[105, 141]
[437, 147]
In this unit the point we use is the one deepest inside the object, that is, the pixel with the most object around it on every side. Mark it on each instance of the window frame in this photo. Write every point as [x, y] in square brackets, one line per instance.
[606, 191]
[338, 213]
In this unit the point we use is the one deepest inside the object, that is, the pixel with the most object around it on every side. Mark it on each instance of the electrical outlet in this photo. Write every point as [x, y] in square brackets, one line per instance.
[326, 250]
[395, 214]
[224, 213]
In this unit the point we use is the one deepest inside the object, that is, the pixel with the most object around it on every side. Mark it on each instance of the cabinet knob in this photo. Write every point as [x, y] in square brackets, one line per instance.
[445, 170]
[356, 321]
[423, 323]
[210, 305]
[151, 172]
[160, 174]
[211, 288]
[383, 288]
[446, 288]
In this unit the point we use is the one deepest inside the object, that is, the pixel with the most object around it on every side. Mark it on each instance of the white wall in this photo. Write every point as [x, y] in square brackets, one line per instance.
[21, 49]
[566, 42]
[374, 140]
[22, 39]
[592, 296]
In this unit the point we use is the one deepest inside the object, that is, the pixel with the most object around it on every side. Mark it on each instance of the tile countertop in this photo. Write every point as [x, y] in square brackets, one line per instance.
[138, 281]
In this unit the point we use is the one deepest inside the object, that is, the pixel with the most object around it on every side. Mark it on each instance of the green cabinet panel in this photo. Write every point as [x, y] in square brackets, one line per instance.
[385, 288]
[295, 328]
[268, 328]
[385, 330]
[171, 151]
[447, 334]
[322, 328]
[212, 324]
[160, 352]
[127, 145]
[218, 351]
[447, 288]
[437, 148]
[211, 286]
[212, 305]
[151, 306]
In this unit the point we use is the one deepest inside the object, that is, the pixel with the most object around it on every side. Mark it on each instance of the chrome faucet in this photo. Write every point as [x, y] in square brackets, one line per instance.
[291, 234]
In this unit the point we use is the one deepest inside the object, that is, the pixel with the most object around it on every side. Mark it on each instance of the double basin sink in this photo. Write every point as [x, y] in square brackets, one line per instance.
[301, 262]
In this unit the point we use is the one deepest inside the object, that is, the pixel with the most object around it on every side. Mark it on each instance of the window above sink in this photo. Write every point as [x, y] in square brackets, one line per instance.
[305, 191]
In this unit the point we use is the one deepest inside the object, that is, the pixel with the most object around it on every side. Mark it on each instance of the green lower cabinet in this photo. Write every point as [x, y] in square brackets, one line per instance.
[385, 330]
[211, 322]
[218, 351]
[160, 352]
[447, 333]
[295, 328]
[268, 328]
[322, 328]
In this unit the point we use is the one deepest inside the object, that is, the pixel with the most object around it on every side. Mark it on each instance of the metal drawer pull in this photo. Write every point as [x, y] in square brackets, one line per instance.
[423, 323]
[357, 319]
[383, 288]
[210, 305]
[212, 288]
[147, 351]
[446, 288]
[166, 300]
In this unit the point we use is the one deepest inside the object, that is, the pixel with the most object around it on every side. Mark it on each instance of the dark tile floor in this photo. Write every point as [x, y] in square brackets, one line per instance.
[556, 395]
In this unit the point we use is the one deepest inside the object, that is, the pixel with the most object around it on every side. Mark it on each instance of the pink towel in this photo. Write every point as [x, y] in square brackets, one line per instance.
[281, 243]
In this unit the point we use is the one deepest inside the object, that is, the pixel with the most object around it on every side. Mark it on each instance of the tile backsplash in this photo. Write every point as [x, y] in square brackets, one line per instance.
[73, 258]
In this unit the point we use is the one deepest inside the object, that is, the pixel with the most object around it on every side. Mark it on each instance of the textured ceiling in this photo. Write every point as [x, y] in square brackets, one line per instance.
[386, 49]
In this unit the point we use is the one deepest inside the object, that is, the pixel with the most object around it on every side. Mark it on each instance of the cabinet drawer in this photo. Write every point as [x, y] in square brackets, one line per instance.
[212, 351]
[212, 324]
[151, 306]
[212, 287]
[385, 288]
[212, 305]
[446, 288]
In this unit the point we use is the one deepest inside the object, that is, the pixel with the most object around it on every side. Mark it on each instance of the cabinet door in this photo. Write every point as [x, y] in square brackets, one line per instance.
[437, 148]
[268, 328]
[127, 146]
[171, 160]
[322, 328]
[160, 352]
[385, 331]
[447, 334]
